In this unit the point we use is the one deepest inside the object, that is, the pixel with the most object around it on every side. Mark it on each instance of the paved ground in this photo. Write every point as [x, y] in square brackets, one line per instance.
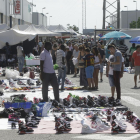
[130, 98]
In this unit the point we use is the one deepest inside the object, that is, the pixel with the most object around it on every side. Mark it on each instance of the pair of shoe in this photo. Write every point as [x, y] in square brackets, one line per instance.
[86, 129]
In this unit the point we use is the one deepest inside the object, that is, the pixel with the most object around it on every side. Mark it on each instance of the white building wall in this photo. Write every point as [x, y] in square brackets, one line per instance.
[6, 8]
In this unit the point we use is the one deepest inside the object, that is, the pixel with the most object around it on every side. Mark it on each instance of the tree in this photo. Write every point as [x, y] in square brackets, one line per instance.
[74, 27]
[133, 24]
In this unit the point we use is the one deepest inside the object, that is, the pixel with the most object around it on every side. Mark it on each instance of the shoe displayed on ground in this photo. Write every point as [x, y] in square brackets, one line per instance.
[38, 83]
[1, 93]
[19, 82]
[30, 82]
[14, 117]
[12, 83]
[25, 130]
[86, 129]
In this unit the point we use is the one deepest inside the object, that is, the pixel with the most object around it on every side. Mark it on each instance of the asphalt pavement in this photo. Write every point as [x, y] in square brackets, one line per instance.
[130, 98]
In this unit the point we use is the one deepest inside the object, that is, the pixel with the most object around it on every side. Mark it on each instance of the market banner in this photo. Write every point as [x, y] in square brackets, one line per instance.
[17, 7]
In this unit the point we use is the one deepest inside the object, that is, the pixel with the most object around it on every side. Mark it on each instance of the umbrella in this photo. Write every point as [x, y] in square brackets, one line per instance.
[115, 35]
[135, 40]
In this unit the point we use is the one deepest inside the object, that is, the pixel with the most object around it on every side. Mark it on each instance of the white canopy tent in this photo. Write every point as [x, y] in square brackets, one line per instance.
[40, 31]
[21, 27]
[61, 29]
[14, 37]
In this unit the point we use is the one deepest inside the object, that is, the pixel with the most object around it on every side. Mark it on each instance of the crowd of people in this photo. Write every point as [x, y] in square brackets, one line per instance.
[86, 57]
[89, 59]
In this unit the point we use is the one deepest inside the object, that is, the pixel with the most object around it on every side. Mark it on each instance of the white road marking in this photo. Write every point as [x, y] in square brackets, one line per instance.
[131, 100]
[104, 137]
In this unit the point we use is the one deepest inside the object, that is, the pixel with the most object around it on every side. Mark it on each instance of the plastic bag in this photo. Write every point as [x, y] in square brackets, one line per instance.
[11, 74]
[75, 61]
[32, 56]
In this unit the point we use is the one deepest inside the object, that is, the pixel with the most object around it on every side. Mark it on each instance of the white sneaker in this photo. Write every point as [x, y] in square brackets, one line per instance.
[86, 129]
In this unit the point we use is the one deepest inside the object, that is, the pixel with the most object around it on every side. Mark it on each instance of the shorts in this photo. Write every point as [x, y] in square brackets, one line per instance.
[111, 80]
[97, 67]
[101, 67]
[76, 66]
[137, 70]
[89, 71]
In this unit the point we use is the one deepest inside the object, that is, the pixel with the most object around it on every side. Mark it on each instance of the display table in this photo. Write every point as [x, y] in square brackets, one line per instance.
[33, 62]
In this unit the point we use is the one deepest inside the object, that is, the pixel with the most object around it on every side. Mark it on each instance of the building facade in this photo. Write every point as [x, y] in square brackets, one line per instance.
[126, 18]
[39, 19]
[7, 13]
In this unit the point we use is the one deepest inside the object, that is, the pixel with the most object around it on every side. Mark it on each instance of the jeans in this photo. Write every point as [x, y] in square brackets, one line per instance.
[70, 67]
[50, 78]
[61, 74]
[116, 75]
[20, 63]
[101, 67]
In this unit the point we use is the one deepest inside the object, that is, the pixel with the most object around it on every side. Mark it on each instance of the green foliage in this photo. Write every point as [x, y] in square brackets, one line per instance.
[74, 27]
[133, 24]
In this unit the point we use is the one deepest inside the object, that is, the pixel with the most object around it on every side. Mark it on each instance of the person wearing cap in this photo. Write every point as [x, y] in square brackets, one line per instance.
[136, 62]
[89, 68]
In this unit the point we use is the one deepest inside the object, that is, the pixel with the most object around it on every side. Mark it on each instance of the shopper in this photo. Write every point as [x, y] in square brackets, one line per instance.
[102, 54]
[40, 45]
[132, 49]
[109, 74]
[97, 62]
[53, 52]
[117, 69]
[69, 60]
[75, 56]
[20, 56]
[89, 68]
[136, 63]
[60, 61]
[83, 79]
[7, 49]
[47, 74]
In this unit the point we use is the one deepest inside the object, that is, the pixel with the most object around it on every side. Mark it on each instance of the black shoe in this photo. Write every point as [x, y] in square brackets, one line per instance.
[101, 80]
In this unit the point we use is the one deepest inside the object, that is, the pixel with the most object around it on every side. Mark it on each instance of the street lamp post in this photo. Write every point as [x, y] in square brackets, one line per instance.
[136, 12]
[50, 20]
[127, 16]
[43, 14]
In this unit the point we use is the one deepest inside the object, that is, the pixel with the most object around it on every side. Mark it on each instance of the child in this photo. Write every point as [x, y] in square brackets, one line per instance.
[89, 68]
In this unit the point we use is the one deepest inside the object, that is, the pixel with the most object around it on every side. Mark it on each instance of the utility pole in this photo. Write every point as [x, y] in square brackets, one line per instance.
[108, 6]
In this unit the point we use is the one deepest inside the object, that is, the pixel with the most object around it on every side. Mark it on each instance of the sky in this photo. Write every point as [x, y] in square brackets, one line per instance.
[70, 11]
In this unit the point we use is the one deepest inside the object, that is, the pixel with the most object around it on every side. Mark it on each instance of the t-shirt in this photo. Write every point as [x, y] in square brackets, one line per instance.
[123, 48]
[59, 54]
[118, 54]
[101, 51]
[70, 48]
[75, 54]
[7, 49]
[89, 60]
[132, 49]
[136, 57]
[48, 63]
[19, 51]
[111, 68]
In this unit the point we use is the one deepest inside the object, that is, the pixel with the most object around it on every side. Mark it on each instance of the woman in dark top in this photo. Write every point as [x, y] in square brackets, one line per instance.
[83, 79]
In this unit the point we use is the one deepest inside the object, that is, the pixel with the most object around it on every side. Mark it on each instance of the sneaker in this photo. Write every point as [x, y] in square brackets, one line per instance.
[118, 101]
[20, 82]
[30, 82]
[86, 129]
[101, 80]
[12, 83]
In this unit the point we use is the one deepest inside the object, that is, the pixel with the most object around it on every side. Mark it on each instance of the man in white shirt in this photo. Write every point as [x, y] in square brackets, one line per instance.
[75, 56]
[20, 56]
